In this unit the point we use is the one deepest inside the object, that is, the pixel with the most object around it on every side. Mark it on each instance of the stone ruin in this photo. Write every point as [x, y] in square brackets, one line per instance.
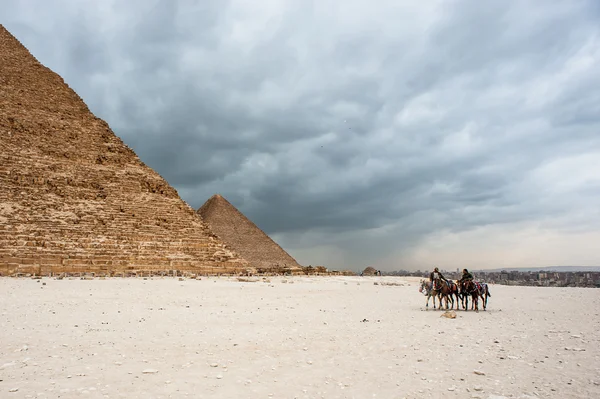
[370, 271]
[75, 200]
[246, 238]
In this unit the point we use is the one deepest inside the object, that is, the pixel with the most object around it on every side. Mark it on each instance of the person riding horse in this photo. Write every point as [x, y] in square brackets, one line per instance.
[435, 277]
[466, 276]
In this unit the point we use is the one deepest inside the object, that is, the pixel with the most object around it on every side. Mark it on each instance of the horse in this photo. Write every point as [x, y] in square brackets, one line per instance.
[484, 293]
[449, 289]
[441, 292]
[454, 292]
[472, 289]
[427, 290]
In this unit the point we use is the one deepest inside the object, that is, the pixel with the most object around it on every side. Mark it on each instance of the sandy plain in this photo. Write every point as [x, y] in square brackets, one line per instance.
[299, 337]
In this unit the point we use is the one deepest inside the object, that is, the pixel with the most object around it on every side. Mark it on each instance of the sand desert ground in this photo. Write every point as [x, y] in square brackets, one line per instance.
[299, 337]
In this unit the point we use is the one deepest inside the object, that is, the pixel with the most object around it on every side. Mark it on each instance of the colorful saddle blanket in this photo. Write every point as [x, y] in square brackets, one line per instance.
[481, 287]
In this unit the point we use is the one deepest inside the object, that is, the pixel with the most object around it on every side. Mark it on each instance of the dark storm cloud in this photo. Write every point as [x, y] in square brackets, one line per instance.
[360, 128]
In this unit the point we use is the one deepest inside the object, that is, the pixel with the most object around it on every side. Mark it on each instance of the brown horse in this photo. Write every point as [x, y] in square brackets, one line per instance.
[449, 291]
[454, 293]
[470, 289]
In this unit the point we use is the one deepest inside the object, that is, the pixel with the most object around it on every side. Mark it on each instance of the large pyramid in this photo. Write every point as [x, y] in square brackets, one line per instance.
[244, 237]
[75, 198]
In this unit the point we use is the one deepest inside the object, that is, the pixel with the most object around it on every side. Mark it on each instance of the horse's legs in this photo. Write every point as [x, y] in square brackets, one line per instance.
[487, 295]
[432, 296]
[458, 298]
[463, 297]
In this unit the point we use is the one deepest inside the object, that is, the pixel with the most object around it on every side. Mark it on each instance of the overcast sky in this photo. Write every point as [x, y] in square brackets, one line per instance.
[394, 134]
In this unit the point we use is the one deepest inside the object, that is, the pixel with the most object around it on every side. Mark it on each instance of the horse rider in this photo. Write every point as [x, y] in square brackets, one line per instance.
[466, 276]
[435, 276]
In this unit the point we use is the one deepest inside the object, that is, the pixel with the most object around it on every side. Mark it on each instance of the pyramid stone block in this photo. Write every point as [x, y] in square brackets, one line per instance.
[75, 198]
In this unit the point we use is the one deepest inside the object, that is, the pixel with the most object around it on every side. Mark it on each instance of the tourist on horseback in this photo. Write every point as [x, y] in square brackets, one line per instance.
[466, 276]
[435, 276]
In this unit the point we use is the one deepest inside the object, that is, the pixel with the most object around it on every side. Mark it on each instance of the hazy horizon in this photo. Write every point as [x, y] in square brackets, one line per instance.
[521, 269]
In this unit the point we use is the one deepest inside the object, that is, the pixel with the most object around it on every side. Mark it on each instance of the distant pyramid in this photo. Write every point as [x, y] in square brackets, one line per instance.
[243, 236]
[74, 197]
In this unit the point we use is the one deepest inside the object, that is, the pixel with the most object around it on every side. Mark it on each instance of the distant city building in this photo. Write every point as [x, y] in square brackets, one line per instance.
[526, 278]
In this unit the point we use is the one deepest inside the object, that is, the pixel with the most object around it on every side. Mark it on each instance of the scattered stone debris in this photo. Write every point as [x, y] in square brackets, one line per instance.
[478, 372]
[150, 371]
[248, 279]
[449, 314]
